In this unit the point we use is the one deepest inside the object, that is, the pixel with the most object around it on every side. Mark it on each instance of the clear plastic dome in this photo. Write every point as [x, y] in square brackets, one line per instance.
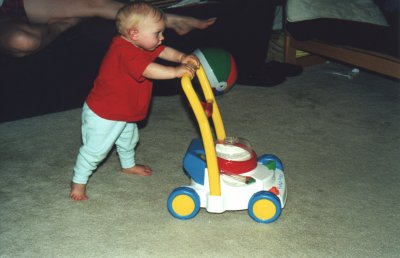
[234, 149]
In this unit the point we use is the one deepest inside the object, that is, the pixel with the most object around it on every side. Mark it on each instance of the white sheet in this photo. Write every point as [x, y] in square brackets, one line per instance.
[354, 10]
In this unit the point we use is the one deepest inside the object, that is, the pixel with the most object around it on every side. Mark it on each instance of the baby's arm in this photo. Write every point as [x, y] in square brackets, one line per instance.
[156, 71]
[176, 56]
[159, 72]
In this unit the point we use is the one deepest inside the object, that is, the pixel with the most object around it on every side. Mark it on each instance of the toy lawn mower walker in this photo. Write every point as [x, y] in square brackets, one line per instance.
[225, 174]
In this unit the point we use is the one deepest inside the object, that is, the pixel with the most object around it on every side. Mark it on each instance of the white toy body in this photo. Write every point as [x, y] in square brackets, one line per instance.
[236, 194]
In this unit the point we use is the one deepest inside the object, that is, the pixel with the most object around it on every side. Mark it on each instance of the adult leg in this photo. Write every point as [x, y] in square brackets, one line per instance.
[19, 38]
[49, 18]
[41, 11]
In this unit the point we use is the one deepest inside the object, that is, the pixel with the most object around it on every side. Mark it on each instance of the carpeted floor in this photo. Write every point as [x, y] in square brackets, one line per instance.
[338, 138]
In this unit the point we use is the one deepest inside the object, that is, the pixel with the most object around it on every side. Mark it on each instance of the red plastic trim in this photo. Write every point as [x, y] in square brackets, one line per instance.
[237, 167]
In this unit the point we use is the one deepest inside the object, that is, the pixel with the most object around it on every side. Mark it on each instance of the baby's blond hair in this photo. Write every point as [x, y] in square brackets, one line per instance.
[132, 14]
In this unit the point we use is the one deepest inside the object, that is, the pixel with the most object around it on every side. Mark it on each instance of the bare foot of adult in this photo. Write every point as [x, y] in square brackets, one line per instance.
[140, 170]
[78, 192]
[184, 24]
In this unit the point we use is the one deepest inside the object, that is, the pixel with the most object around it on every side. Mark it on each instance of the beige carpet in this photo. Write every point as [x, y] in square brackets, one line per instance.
[338, 138]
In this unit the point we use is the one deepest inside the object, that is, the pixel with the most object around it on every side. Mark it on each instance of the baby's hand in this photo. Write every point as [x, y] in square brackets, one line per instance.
[190, 59]
[184, 69]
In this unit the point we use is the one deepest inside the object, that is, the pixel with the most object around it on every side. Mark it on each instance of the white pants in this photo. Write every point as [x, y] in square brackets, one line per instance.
[98, 137]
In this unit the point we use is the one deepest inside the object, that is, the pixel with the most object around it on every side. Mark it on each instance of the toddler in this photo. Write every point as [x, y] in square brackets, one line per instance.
[122, 92]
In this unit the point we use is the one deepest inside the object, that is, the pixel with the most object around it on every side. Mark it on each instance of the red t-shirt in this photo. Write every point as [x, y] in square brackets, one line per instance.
[120, 91]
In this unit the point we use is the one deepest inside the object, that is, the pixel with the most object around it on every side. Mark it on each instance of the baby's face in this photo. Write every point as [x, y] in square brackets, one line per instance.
[150, 34]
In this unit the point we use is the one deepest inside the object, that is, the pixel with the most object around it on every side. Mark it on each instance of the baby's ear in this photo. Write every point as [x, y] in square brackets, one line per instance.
[133, 33]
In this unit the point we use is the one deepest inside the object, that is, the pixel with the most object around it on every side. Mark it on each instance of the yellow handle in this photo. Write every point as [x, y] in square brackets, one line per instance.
[204, 125]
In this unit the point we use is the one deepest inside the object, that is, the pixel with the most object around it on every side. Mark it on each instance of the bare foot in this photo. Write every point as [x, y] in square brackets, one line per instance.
[78, 192]
[184, 24]
[140, 170]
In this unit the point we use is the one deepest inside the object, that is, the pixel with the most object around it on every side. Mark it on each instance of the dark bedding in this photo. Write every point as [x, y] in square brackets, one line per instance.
[383, 39]
[368, 36]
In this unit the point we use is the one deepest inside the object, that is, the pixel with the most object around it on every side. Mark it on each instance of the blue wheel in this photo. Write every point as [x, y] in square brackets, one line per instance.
[264, 207]
[183, 203]
[271, 161]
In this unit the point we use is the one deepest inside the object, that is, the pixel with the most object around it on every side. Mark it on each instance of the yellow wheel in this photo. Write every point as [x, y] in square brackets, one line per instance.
[183, 203]
[264, 207]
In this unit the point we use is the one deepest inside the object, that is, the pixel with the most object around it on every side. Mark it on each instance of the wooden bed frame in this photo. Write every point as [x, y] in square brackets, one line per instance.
[373, 61]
